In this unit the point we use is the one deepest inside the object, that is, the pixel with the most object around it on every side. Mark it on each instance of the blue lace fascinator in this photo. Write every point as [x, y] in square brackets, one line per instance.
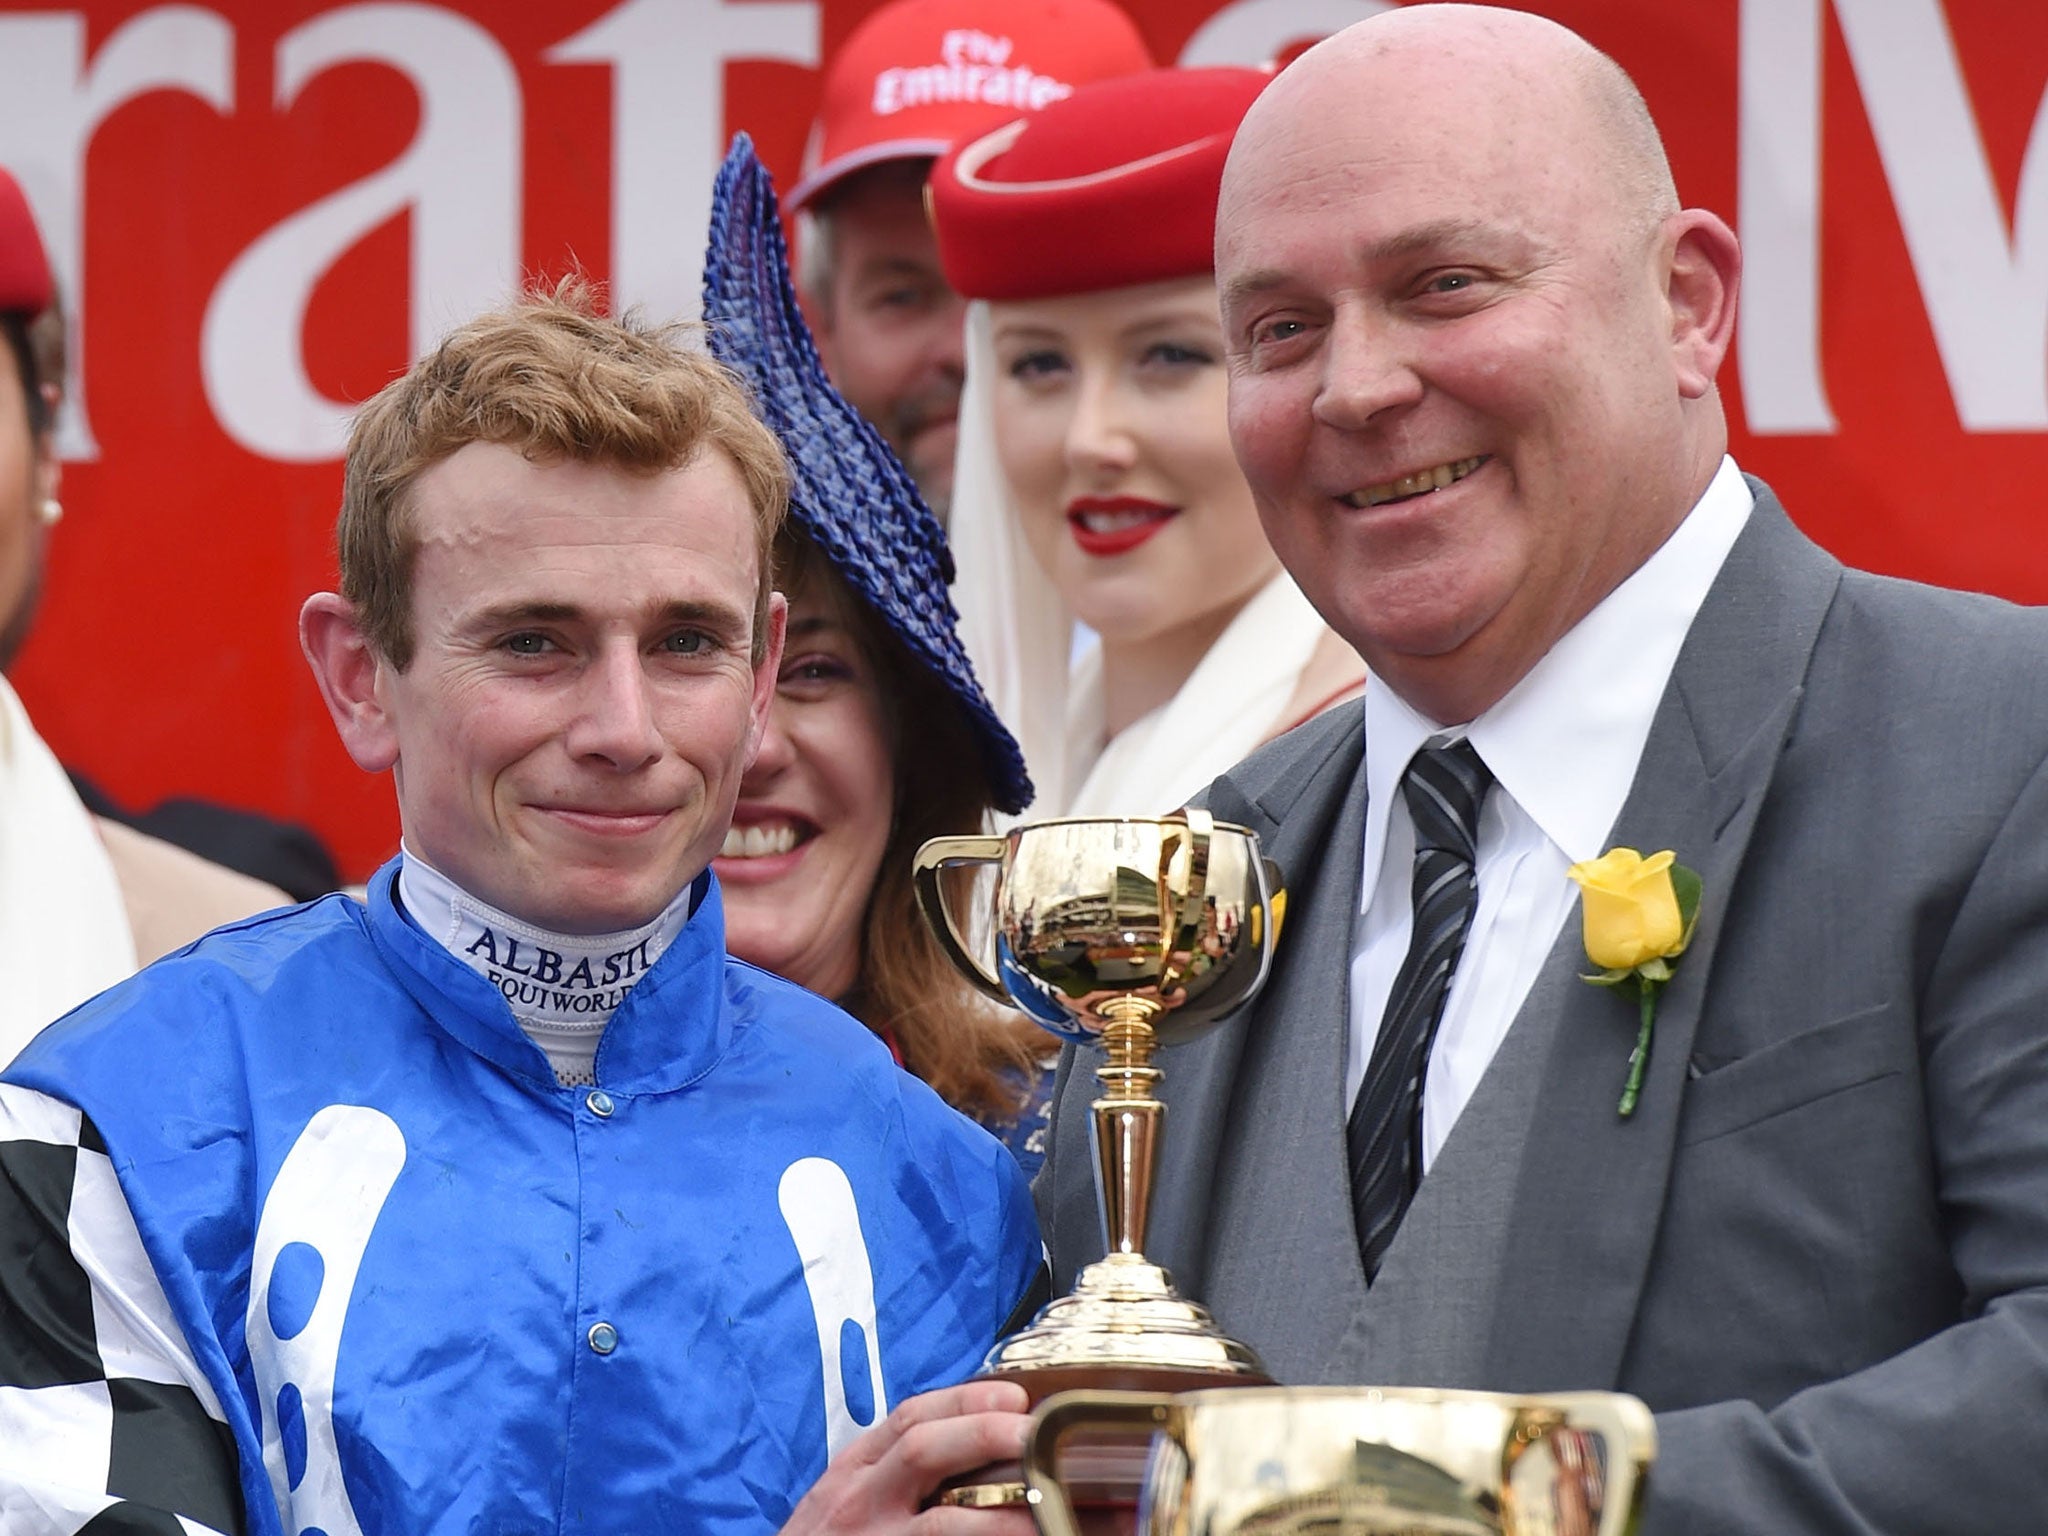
[850, 494]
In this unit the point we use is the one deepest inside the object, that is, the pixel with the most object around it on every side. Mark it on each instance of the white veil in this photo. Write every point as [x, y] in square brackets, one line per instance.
[1017, 631]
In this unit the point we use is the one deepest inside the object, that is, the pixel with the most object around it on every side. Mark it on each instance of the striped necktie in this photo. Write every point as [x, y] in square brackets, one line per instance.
[1444, 788]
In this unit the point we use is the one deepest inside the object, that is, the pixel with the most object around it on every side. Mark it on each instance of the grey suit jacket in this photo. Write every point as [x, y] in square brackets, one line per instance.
[1819, 1249]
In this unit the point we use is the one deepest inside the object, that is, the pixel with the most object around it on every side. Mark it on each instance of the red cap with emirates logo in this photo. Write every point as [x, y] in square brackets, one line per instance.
[918, 76]
[1113, 187]
[25, 287]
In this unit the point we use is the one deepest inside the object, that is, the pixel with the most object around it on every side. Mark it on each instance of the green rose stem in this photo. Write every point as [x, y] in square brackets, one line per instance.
[1639, 1058]
[1649, 978]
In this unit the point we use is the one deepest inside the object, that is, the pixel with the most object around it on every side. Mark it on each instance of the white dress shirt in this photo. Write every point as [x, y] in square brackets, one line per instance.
[1563, 746]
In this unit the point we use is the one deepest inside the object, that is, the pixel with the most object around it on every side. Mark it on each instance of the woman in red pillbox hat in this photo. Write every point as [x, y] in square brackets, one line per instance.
[1096, 481]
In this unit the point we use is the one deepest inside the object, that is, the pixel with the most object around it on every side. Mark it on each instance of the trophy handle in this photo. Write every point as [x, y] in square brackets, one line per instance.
[933, 859]
[1613, 1487]
[1065, 1412]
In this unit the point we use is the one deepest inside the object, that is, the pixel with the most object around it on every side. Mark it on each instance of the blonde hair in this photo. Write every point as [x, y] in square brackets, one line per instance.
[555, 378]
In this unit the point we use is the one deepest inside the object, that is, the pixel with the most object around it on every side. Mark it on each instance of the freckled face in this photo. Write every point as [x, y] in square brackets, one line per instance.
[581, 701]
[1452, 387]
[1111, 430]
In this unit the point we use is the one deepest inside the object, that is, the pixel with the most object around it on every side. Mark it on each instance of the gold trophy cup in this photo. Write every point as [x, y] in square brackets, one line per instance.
[1358, 1461]
[1127, 934]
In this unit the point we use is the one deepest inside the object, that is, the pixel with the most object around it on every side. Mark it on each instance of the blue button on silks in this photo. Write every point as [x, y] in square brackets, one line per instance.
[604, 1338]
[600, 1103]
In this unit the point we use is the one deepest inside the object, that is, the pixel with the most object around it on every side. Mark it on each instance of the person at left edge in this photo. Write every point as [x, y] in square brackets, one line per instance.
[507, 1201]
[85, 897]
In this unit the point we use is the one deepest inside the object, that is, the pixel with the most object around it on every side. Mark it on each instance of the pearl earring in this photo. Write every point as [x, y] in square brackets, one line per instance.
[50, 511]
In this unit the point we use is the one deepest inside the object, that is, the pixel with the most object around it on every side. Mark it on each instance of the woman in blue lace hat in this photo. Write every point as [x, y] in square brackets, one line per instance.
[880, 736]
[1095, 480]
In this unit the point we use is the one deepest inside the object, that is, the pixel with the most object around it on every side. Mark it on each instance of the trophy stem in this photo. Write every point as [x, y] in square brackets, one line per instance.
[1125, 1325]
[1128, 1118]
[1127, 935]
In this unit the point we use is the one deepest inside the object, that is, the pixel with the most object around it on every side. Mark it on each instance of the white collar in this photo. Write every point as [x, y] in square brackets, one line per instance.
[1231, 701]
[553, 978]
[1566, 740]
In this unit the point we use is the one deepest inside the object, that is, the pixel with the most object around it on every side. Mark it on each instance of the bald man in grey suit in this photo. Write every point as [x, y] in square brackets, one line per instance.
[1474, 339]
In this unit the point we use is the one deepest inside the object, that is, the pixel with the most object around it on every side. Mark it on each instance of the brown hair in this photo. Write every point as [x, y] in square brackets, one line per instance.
[977, 1057]
[556, 379]
[20, 338]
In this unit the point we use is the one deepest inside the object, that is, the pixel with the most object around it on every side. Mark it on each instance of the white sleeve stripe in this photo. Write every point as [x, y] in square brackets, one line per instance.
[56, 1445]
[137, 1335]
[26, 1115]
[28, 1508]
[104, 1404]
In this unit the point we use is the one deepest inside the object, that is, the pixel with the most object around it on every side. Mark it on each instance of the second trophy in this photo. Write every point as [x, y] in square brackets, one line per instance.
[1127, 935]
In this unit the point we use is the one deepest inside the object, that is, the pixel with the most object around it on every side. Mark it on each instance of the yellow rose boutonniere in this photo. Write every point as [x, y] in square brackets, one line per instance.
[1639, 915]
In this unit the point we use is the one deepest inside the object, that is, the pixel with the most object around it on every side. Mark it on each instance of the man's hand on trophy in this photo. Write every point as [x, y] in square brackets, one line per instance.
[880, 1482]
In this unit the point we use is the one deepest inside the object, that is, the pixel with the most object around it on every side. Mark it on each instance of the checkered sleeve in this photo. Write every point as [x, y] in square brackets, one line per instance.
[107, 1425]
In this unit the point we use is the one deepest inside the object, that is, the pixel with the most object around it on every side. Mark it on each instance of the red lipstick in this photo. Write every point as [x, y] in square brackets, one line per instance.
[1115, 525]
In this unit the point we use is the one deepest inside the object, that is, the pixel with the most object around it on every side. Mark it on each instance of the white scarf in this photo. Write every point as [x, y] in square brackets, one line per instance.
[1230, 703]
[64, 932]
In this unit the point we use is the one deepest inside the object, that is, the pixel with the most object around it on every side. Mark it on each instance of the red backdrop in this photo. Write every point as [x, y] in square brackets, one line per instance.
[261, 207]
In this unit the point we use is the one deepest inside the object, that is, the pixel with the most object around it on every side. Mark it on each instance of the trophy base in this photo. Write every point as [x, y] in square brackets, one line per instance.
[1124, 1314]
[1123, 1329]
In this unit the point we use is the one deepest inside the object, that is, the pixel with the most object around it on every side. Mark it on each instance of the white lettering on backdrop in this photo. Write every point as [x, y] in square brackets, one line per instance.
[1982, 278]
[668, 61]
[1984, 283]
[459, 180]
[50, 107]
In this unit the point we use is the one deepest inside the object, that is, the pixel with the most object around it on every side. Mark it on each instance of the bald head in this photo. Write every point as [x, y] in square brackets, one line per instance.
[1544, 83]
[1472, 338]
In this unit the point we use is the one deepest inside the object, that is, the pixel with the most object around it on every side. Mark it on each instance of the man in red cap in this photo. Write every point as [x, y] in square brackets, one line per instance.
[911, 80]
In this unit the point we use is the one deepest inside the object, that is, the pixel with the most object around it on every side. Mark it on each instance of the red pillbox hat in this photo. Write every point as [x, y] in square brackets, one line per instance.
[917, 77]
[1114, 186]
[25, 287]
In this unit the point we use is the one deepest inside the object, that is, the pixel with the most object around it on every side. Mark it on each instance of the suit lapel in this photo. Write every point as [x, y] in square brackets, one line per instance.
[1301, 824]
[1591, 1185]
